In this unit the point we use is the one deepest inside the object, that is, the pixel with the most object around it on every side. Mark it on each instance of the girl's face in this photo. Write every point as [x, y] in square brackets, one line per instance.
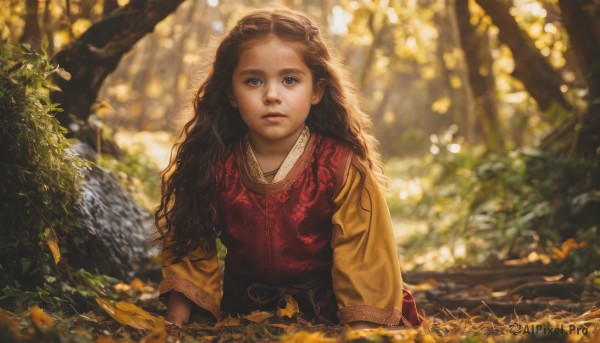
[273, 89]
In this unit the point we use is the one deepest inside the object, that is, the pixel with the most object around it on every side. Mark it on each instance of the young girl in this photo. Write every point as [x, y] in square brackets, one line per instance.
[277, 164]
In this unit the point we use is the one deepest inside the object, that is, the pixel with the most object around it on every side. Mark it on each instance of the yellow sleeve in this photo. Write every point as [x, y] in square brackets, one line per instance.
[196, 276]
[366, 272]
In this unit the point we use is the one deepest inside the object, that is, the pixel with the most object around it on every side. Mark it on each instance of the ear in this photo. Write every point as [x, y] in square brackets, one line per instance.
[232, 99]
[318, 91]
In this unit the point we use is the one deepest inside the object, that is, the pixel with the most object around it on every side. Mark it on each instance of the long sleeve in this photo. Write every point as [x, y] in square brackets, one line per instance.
[366, 272]
[196, 276]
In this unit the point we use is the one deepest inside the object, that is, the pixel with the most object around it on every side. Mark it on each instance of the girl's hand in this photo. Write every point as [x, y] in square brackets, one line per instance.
[178, 309]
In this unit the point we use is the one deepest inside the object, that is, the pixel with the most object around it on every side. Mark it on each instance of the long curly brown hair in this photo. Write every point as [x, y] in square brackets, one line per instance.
[187, 215]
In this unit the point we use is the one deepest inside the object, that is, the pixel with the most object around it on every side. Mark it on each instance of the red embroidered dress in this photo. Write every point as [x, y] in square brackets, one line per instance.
[321, 233]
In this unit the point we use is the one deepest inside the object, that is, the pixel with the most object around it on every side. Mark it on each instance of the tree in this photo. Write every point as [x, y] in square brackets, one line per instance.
[478, 58]
[31, 32]
[92, 57]
[531, 67]
[582, 21]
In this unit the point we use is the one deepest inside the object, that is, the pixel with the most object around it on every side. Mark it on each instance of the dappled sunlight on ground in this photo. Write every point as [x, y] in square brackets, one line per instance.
[156, 144]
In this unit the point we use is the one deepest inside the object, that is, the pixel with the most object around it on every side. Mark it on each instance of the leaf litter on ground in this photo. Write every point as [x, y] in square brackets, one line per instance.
[129, 319]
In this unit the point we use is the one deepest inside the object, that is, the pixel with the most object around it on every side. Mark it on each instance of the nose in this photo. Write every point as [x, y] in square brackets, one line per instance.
[272, 94]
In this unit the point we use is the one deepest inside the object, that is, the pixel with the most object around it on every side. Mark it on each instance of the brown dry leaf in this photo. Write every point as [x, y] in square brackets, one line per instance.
[137, 284]
[128, 314]
[307, 337]
[157, 335]
[40, 318]
[259, 316]
[51, 240]
[394, 335]
[291, 307]
[105, 339]
[229, 321]
[566, 247]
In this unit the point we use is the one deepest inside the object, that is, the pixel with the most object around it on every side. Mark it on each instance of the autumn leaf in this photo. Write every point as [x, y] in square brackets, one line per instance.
[121, 287]
[377, 334]
[561, 253]
[40, 318]
[291, 307]
[259, 316]
[51, 240]
[307, 337]
[137, 284]
[128, 314]
[229, 321]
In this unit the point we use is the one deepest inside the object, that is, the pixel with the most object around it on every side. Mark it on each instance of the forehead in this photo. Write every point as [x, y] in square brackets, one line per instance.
[271, 53]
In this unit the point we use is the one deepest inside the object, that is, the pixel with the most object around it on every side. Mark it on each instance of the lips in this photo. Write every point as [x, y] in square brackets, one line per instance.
[273, 117]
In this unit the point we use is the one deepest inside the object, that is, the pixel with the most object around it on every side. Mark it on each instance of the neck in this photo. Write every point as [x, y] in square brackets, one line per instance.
[273, 148]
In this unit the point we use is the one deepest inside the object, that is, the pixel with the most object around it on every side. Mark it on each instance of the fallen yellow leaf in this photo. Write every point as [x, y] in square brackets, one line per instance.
[259, 316]
[137, 284]
[229, 321]
[291, 307]
[128, 314]
[427, 338]
[40, 318]
[307, 337]
[122, 287]
[566, 247]
[559, 255]
[51, 240]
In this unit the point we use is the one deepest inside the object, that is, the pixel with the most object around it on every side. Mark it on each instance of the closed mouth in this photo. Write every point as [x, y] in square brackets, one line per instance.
[273, 115]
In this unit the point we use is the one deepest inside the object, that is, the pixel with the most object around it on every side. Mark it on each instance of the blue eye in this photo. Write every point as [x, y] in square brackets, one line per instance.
[289, 80]
[253, 81]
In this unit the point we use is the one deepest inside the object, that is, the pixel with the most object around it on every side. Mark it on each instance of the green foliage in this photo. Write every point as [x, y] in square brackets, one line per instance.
[490, 208]
[138, 174]
[41, 182]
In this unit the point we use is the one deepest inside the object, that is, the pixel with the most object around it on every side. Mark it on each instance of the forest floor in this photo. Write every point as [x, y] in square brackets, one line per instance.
[530, 303]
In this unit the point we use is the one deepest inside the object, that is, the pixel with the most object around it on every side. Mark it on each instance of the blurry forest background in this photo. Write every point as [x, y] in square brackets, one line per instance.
[478, 106]
[487, 111]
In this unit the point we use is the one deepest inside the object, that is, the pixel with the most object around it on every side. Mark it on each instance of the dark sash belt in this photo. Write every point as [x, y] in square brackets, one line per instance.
[264, 294]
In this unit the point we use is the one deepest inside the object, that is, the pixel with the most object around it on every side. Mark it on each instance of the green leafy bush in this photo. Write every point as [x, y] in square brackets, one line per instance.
[40, 180]
[485, 209]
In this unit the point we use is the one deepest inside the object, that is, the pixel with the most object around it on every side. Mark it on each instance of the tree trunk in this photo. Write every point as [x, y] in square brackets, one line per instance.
[378, 37]
[31, 32]
[481, 78]
[582, 21]
[536, 73]
[108, 7]
[463, 107]
[92, 57]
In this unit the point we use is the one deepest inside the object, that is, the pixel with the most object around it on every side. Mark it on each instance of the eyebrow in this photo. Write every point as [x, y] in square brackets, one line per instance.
[282, 72]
